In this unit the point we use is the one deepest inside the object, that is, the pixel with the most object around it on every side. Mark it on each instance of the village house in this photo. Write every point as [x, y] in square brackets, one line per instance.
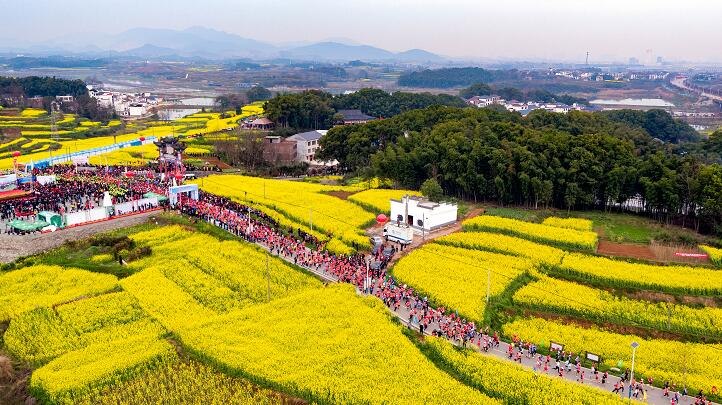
[354, 117]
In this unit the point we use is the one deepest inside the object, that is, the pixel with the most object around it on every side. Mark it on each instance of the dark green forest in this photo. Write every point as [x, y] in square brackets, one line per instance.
[41, 86]
[511, 93]
[577, 160]
[454, 77]
[314, 109]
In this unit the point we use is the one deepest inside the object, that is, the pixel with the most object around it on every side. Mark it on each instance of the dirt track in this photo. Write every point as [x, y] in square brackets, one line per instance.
[625, 250]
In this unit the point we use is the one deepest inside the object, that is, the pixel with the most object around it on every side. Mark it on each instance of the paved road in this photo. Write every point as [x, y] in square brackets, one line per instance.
[681, 84]
[13, 247]
[654, 395]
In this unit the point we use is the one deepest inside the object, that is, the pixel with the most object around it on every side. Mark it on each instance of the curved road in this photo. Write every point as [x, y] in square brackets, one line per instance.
[654, 395]
[680, 83]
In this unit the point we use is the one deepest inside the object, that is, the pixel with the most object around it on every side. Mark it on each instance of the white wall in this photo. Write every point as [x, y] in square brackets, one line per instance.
[441, 214]
[127, 207]
[80, 217]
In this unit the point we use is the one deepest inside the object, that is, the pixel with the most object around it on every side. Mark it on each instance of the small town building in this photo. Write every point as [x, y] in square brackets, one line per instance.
[422, 214]
[354, 117]
[65, 99]
[484, 101]
[262, 124]
[136, 110]
[279, 151]
[307, 143]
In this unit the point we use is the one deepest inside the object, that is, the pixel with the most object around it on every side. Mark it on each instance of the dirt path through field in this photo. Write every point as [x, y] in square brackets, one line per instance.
[625, 250]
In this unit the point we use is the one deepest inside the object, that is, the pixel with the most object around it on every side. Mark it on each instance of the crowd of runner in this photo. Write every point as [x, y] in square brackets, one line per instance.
[71, 192]
[305, 250]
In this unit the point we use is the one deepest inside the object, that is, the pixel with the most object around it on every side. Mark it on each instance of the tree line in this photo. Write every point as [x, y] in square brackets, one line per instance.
[512, 93]
[314, 109]
[575, 160]
[454, 77]
[32, 86]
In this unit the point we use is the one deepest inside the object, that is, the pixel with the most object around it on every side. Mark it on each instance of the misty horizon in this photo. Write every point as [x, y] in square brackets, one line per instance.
[556, 30]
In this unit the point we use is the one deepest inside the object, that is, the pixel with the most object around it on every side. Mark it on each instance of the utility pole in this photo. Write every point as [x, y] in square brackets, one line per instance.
[268, 279]
[310, 218]
[264, 189]
[488, 284]
[634, 345]
[669, 316]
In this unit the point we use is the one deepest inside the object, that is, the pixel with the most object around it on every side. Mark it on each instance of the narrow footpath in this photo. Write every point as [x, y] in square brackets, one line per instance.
[654, 395]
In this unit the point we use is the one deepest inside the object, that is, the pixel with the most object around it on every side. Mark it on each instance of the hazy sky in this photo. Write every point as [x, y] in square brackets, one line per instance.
[552, 29]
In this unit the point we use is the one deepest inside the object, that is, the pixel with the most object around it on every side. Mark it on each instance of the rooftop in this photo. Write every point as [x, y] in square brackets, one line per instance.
[309, 136]
[355, 115]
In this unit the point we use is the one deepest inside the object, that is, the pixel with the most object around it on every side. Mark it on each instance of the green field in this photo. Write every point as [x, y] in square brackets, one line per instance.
[613, 227]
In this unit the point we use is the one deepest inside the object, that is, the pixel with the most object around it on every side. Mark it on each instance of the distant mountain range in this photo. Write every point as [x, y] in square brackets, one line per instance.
[201, 42]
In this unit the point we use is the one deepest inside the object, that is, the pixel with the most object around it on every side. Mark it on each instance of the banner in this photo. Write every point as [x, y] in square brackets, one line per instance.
[45, 179]
[80, 160]
[8, 182]
[80, 217]
[135, 205]
[695, 255]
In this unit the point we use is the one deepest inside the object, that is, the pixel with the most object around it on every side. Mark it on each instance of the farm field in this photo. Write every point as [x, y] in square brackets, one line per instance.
[193, 300]
[341, 220]
[580, 300]
[659, 359]
[377, 200]
[512, 383]
[561, 237]
[612, 227]
[35, 142]
[464, 288]
[171, 319]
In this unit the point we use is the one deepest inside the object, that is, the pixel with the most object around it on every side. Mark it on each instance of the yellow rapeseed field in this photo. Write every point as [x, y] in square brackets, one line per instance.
[43, 334]
[24, 289]
[715, 254]
[494, 242]
[457, 278]
[183, 383]
[568, 298]
[580, 224]
[378, 200]
[617, 273]
[303, 203]
[327, 345]
[75, 374]
[516, 384]
[662, 360]
[560, 237]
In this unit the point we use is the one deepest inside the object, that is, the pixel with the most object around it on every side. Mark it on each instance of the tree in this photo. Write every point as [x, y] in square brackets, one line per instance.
[511, 93]
[231, 101]
[570, 195]
[451, 77]
[432, 190]
[476, 89]
[379, 103]
[258, 93]
[306, 110]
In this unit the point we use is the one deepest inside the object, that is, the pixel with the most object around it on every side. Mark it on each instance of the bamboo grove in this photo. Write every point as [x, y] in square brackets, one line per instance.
[575, 160]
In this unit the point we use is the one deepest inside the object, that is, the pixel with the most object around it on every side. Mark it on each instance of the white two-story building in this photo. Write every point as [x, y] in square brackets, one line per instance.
[307, 143]
[422, 214]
